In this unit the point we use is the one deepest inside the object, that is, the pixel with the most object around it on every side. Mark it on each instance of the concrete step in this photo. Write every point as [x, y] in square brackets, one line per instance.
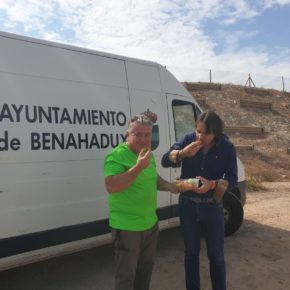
[255, 104]
[202, 86]
[245, 147]
[244, 129]
[257, 91]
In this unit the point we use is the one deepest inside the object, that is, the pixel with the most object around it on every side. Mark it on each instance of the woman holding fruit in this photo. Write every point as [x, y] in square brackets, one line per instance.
[207, 156]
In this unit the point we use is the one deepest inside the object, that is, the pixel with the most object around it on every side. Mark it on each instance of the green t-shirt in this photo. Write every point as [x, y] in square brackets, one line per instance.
[134, 208]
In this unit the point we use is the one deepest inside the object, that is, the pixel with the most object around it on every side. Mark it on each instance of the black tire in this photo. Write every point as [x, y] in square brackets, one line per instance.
[233, 213]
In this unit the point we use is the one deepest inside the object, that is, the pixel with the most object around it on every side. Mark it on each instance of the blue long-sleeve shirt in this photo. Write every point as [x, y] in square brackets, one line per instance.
[219, 162]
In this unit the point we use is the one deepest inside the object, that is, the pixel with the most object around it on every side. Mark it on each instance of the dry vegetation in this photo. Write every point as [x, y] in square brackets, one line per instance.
[269, 161]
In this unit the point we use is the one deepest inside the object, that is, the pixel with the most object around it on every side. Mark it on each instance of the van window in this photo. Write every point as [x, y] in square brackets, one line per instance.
[198, 111]
[184, 118]
[155, 137]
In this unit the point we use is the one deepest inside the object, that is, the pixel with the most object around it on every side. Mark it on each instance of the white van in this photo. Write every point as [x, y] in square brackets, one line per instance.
[62, 109]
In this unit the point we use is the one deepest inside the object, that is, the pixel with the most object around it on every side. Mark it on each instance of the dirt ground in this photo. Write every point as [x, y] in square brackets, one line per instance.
[257, 256]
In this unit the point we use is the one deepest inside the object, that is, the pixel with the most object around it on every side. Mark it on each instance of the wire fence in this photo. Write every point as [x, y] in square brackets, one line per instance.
[280, 83]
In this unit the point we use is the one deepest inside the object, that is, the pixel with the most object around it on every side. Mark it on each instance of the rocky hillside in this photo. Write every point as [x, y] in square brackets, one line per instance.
[267, 154]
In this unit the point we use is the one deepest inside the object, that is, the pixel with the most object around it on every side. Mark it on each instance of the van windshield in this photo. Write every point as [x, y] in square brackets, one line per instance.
[184, 118]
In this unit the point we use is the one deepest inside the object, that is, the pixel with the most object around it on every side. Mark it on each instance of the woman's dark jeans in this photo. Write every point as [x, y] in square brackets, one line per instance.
[203, 218]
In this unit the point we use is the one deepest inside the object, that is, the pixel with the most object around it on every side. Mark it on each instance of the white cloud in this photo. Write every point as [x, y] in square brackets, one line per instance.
[270, 3]
[168, 31]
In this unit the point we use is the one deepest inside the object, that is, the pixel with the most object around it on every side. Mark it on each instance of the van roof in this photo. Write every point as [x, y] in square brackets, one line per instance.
[74, 48]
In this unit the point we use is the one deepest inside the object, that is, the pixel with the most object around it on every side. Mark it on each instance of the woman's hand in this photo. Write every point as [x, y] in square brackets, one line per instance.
[191, 149]
[173, 155]
[219, 188]
[206, 185]
[188, 151]
[184, 185]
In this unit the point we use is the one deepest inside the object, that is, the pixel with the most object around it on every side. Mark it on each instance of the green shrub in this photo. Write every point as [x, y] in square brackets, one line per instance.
[254, 183]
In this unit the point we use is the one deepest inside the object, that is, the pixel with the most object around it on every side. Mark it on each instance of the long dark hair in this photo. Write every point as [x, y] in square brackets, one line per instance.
[213, 123]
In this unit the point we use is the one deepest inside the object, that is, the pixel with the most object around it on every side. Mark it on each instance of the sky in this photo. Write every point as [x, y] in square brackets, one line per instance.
[232, 38]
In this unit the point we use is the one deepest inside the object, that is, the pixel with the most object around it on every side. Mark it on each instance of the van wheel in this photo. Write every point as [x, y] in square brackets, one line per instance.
[233, 213]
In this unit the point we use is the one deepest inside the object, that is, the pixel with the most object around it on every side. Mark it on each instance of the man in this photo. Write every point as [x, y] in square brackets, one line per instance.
[132, 182]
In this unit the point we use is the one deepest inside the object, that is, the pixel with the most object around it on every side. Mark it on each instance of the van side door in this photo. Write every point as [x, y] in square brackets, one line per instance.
[182, 116]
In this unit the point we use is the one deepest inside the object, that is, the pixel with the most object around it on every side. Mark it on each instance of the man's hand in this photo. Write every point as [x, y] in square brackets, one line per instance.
[119, 182]
[143, 160]
[173, 188]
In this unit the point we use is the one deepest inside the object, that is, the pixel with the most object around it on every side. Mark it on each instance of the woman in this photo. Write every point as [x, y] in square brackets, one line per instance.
[209, 156]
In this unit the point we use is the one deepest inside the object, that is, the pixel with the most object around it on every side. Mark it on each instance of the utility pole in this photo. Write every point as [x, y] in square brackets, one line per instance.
[249, 81]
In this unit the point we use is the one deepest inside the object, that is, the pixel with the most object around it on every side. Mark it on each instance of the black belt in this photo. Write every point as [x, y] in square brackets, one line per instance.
[199, 199]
